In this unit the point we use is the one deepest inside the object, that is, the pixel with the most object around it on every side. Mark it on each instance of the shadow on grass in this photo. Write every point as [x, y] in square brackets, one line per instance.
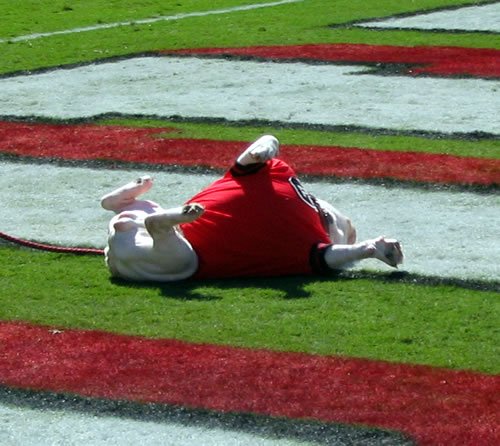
[295, 287]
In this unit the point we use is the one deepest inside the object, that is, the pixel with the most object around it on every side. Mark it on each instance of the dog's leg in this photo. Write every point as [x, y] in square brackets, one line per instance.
[171, 252]
[145, 246]
[388, 251]
[262, 150]
[162, 222]
[125, 196]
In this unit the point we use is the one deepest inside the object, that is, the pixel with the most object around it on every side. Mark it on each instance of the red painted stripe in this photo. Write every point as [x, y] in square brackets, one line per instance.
[435, 406]
[445, 61]
[145, 145]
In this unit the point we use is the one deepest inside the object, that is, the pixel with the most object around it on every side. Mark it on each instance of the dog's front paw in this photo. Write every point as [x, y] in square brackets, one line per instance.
[193, 211]
[388, 251]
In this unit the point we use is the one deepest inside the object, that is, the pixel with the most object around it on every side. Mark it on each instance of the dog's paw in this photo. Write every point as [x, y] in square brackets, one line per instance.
[260, 151]
[192, 211]
[124, 196]
[166, 220]
[145, 181]
[388, 251]
[264, 149]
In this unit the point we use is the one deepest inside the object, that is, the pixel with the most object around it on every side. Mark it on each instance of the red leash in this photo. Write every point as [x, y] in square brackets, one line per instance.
[52, 248]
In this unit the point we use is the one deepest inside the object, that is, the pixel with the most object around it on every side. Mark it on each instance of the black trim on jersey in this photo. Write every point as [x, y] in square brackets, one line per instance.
[310, 199]
[317, 259]
[300, 190]
[239, 170]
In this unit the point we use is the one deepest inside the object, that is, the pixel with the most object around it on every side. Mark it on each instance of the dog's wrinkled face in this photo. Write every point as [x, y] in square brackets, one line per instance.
[350, 232]
[342, 232]
[340, 227]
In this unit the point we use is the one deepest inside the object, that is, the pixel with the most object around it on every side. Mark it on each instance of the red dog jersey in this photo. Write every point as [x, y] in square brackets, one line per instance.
[258, 222]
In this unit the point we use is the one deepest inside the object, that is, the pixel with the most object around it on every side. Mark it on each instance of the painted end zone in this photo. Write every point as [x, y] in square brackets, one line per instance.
[145, 145]
[434, 406]
[435, 60]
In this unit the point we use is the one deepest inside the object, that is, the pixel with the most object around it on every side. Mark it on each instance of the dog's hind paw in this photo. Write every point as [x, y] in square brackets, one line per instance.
[388, 251]
[124, 196]
[260, 151]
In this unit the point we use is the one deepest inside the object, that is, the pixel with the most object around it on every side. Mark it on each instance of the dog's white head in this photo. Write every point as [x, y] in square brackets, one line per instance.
[340, 227]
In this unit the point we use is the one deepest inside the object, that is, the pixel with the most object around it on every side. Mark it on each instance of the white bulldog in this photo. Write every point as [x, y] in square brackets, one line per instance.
[146, 242]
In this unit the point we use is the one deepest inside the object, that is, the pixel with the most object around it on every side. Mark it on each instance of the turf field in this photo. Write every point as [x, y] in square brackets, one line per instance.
[413, 319]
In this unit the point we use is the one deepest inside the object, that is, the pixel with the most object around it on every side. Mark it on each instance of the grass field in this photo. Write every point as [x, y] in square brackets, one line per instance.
[377, 316]
[445, 326]
[297, 23]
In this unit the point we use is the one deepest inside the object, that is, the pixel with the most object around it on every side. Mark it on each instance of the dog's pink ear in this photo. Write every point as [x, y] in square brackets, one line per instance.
[351, 237]
[124, 225]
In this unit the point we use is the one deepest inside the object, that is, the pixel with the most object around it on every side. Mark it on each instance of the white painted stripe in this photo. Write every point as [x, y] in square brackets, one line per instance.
[49, 427]
[147, 21]
[469, 18]
[246, 90]
[444, 233]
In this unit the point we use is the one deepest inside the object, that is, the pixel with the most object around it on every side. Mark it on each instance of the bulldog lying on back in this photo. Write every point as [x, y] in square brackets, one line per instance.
[257, 220]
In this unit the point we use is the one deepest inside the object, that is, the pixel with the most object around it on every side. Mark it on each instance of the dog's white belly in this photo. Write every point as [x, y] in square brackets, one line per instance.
[132, 254]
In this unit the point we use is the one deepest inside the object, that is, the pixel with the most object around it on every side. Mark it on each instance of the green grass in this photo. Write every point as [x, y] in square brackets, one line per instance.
[304, 22]
[479, 149]
[437, 325]
[35, 16]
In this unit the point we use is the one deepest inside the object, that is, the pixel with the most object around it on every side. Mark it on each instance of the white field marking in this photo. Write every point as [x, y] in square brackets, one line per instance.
[147, 21]
[49, 427]
[249, 90]
[448, 234]
[469, 18]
